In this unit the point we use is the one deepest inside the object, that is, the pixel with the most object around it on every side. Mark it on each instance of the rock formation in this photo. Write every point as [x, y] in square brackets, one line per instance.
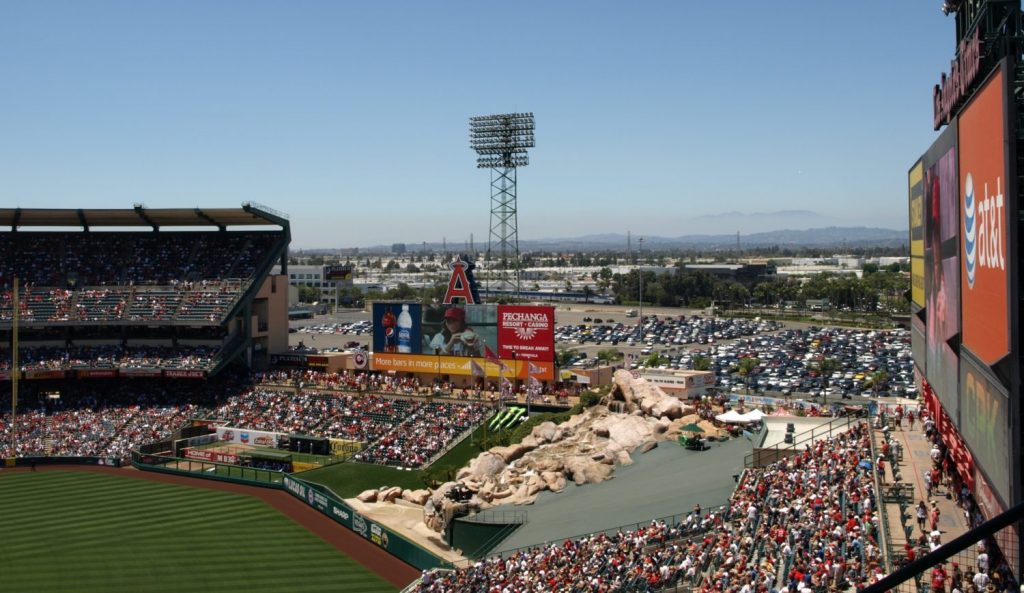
[585, 449]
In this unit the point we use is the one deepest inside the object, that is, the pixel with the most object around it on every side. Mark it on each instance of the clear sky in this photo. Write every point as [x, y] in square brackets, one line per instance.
[352, 117]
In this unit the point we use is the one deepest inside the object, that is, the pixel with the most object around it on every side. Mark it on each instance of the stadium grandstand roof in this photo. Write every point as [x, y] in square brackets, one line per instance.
[250, 214]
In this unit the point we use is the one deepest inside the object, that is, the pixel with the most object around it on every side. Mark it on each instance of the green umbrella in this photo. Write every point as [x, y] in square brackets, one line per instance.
[691, 427]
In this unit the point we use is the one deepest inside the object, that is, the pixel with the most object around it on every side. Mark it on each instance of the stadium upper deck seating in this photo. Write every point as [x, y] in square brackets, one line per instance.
[129, 276]
[131, 258]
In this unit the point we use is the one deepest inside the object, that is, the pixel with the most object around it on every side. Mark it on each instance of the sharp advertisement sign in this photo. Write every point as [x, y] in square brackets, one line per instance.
[526, 332]
[984, 208]
[499, 334]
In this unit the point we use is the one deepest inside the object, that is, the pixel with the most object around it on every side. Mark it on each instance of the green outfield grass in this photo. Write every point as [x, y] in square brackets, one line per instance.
[78, 531]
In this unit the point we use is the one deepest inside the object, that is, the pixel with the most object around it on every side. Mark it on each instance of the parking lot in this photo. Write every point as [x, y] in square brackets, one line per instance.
[868, 363]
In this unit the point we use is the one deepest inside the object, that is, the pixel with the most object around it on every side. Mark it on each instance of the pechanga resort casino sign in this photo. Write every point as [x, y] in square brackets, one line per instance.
[950, 91]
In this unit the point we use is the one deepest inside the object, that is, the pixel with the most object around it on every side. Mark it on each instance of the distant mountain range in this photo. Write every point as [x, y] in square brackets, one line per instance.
[832, 236]
[821, 237]
[761, 222]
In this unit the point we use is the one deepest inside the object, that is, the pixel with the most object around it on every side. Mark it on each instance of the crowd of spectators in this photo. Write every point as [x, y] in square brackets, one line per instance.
[205, 300]
[807, 523]
[393, 431]
[67, 260]
[112, 357]
[89, 277]
[398, 385]
[105, 418]
[979, 569]
[427, 431]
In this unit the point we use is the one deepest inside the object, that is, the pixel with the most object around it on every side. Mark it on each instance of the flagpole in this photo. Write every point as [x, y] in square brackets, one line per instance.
[501, 385]
[529, 388]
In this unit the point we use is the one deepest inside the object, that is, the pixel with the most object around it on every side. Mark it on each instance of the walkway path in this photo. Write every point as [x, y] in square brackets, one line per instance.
[916, 461]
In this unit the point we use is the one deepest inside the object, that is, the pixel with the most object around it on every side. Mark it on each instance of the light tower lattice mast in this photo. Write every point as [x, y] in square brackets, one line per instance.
[500, 142]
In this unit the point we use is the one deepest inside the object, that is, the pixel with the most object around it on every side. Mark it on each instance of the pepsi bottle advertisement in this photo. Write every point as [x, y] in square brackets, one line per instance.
[397, 327]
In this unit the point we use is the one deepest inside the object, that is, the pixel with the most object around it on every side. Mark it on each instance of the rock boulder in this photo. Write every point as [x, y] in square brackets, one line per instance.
[483, 466]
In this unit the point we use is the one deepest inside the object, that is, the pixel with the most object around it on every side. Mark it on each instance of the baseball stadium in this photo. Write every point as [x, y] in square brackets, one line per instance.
[158, 433]
[150, 445]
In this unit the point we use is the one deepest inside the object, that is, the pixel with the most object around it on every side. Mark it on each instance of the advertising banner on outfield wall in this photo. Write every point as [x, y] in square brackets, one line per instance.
[942, 270]
[184, 373]
[44, 374]
[986, 424]
[461, 366]
[983, 209]
[211, 456]
[258, 438]
[917, 234]
[526, 332]
[139, 372]
[96, 373]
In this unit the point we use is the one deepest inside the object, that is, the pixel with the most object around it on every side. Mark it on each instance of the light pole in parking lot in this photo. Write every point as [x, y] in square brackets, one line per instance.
[437, 353]
[640, 271]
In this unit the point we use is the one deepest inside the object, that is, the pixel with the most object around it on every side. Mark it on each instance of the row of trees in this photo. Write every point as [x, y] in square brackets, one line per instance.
[884, 287]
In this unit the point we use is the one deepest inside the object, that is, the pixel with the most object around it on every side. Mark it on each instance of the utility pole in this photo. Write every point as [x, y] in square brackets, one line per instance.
[640, 271]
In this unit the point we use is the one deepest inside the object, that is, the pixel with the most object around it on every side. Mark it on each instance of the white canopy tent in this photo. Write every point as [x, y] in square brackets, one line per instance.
[734, 417]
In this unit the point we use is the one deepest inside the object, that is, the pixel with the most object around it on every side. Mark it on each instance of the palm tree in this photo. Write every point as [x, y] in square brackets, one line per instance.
[877, 378]
[825, 368]
[564, 357]
[700, 363]
[745, 367]
[609, 356]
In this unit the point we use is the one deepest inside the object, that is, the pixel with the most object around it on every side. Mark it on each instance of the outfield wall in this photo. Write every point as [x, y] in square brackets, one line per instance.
[324, 501]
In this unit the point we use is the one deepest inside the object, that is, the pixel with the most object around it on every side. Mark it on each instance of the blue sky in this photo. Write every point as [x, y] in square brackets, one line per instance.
[352, 116]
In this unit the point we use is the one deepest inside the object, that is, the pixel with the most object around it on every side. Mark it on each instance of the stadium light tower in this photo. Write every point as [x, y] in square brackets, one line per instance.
[500, 142]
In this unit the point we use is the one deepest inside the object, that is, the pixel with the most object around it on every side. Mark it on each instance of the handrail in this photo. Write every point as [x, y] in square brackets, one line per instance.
[883, 540]
[802, 438]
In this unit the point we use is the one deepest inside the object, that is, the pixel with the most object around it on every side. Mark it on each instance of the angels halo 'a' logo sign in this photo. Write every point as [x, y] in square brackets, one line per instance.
[462, 285]
[526, 333]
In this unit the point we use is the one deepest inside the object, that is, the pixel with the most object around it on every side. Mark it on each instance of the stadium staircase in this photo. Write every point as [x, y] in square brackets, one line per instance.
[262, 269]
[228, 353]
[48, 438]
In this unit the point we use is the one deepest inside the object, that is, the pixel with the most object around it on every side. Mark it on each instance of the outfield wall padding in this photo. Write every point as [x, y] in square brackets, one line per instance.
[397, 545]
